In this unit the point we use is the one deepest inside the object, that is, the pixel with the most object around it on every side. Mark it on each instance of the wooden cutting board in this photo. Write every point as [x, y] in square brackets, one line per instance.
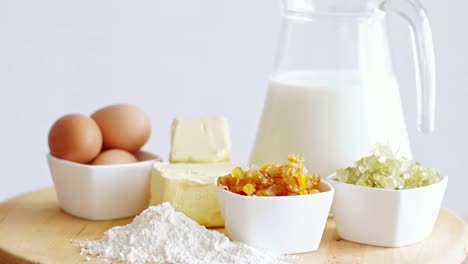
[33, 229]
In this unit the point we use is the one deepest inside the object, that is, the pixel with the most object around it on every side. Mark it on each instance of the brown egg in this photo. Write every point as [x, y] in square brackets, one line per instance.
[75, 137]
[114, 156]
[123, 126]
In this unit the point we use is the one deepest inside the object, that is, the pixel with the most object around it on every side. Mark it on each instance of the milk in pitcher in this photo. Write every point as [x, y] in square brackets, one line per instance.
[332, 118]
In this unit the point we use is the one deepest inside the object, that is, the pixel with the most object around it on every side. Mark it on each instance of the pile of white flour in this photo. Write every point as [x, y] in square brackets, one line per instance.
[162, 235]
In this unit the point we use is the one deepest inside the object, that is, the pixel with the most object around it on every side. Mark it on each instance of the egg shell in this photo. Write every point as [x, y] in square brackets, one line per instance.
[75, 137]
[114, 156]
[123, 126]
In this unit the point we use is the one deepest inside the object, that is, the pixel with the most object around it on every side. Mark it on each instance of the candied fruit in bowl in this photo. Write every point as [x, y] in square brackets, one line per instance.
[258, 200]
[272, 180]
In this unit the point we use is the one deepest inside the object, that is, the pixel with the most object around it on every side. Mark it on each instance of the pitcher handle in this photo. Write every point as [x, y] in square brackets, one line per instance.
[421, 35]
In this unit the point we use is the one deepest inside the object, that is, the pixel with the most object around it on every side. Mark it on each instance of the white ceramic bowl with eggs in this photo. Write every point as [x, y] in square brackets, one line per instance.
[103, 192]
[281, 224]
[387, 218]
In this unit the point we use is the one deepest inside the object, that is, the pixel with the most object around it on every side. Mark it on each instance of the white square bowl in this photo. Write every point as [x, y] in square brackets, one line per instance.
[386, 218]
[102, 192]
[281, 225]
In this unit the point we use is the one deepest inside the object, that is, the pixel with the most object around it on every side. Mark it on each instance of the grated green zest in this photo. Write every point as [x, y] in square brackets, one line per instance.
[383, 169]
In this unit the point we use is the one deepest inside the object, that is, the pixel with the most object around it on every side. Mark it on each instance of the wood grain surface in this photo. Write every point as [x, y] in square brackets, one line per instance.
[33, 229]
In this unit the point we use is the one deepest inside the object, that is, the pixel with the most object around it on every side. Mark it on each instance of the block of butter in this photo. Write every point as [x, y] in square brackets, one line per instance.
[200, 140]
[190, 188]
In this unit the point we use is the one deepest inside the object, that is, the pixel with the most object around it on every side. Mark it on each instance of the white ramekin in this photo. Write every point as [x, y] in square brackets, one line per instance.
[282, 225]
[387, 218]
[102, 192]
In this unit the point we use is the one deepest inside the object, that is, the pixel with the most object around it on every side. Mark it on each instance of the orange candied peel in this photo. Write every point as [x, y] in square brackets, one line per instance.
[272, 180]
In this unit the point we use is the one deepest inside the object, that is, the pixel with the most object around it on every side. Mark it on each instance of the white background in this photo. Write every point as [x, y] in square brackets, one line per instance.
[188, 58]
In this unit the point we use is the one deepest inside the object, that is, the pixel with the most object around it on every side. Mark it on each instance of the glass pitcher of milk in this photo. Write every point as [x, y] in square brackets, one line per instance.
[333, 94]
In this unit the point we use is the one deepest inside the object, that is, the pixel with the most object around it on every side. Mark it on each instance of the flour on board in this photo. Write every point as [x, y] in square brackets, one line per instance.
[162, 235]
